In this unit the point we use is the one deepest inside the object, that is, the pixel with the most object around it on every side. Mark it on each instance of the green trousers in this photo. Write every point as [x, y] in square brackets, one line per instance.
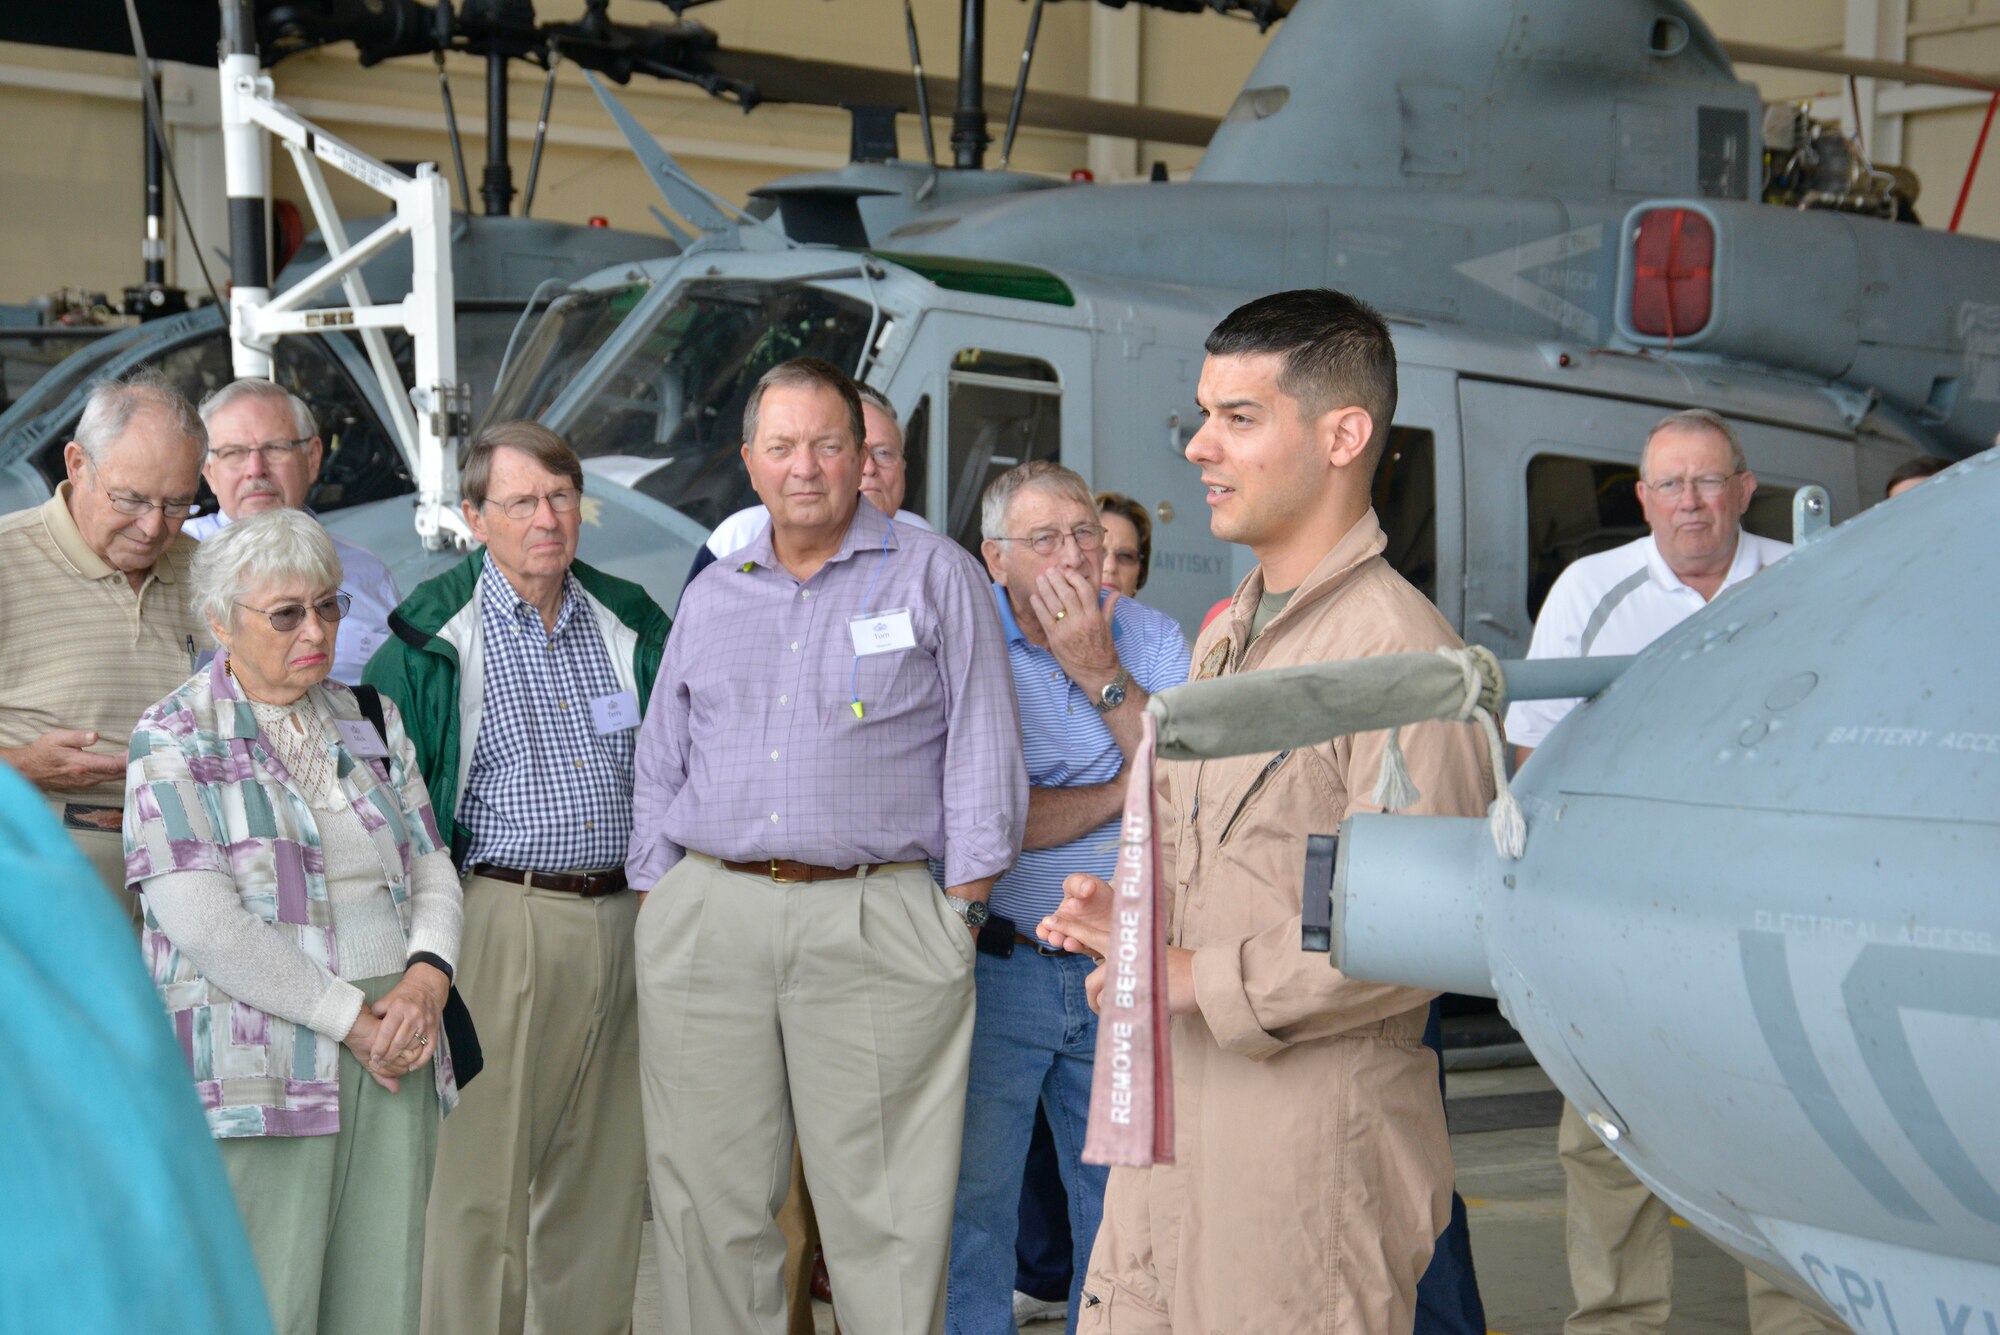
[337, 1222]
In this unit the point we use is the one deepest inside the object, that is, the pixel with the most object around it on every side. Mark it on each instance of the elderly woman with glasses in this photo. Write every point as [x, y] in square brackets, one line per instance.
[301, 921]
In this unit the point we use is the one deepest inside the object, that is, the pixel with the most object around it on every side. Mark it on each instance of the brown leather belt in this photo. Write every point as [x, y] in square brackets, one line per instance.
[785, 871]
[1041, 947]
[589, 884]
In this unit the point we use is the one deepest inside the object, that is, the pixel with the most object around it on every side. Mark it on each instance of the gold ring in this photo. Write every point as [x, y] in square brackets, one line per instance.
[423, 1039]
[1063, 613]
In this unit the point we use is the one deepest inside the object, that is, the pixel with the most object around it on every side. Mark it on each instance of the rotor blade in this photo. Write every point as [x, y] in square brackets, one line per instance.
[1752, 53]
[822, 83]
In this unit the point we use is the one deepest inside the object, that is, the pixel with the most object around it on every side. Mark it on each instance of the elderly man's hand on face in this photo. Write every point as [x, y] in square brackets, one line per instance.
[1076, 625]
[62, 760]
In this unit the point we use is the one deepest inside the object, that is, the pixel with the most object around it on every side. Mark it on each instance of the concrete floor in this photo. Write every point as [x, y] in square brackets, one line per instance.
[1513, 1189]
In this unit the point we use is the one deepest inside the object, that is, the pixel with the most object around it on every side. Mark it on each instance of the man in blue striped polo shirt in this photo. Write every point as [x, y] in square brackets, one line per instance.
[1083, 669]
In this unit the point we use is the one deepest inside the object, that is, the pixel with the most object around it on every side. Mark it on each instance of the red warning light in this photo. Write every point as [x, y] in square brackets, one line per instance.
[600, 221]
[1083, 176]
[1673, 273]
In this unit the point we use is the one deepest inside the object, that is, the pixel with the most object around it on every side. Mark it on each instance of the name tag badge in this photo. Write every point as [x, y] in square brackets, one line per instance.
[882, 632]
[358, 735]
[617, 712]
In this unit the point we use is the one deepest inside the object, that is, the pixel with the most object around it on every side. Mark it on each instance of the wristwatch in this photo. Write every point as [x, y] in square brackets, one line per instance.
[974, 911]
[1113, 695]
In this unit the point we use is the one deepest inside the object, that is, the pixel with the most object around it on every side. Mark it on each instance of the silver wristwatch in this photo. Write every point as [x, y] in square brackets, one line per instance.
[1113, 694]
[974, 911]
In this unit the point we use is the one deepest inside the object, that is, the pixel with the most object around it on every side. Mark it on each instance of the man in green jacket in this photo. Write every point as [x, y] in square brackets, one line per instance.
[522, 675]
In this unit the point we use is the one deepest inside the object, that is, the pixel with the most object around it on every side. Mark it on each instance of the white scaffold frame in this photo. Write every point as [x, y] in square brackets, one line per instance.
[432, 418]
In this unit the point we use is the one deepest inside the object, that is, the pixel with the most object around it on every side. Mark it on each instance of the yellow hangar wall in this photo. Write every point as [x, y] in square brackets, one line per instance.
[70, 164]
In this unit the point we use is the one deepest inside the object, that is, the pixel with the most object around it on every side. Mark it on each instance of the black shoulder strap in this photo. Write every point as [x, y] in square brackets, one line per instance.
[370, 701]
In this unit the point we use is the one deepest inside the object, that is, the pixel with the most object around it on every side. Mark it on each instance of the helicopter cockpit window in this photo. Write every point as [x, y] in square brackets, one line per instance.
[1579, 507]
[362, 462]
[568, 335]
[1405, 497]
[669, 420]
[1003, 409]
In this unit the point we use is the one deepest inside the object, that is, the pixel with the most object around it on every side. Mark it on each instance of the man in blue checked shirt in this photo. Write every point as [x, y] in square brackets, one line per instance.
[522, 675]
[1082, 672]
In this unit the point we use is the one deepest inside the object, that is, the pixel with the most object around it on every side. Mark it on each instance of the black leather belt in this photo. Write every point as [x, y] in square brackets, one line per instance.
[589, 884]
[1041, 947]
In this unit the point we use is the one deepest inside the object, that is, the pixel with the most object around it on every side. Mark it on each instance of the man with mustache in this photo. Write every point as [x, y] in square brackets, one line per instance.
[264, 453]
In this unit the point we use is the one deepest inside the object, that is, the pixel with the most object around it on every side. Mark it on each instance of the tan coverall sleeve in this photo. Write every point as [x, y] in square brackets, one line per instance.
[1262, 993]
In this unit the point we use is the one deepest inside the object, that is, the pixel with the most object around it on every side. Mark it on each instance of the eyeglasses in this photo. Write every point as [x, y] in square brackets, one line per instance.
[272, 452]
[1708, 486]
[127, 504]
[288, 618]
[524, 507]
[1045, 542]
[884, 457]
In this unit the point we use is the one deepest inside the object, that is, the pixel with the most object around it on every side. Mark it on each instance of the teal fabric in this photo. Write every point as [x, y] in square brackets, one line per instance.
[419, 671]
[115, 1214]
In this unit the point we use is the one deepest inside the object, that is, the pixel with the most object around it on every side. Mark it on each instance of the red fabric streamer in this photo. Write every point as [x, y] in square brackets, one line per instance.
[1132, 1089]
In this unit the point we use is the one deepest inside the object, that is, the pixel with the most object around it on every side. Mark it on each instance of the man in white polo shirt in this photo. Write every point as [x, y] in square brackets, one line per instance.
[264, 453]
[1694, 485]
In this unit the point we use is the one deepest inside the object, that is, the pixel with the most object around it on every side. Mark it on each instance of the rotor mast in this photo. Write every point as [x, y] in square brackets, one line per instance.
[968, 123]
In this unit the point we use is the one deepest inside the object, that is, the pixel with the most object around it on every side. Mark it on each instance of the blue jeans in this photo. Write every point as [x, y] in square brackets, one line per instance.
[1033, 1042]
[1448, 1295]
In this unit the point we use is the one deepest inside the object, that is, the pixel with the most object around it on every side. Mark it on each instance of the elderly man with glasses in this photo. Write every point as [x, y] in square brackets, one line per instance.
[1694, 487]
[522, 674]
[94, 618]
[264, 453]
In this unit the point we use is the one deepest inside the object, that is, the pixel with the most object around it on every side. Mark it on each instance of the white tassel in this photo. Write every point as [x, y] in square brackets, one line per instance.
[1510, 826]
[1394, 788]
[1505, 817]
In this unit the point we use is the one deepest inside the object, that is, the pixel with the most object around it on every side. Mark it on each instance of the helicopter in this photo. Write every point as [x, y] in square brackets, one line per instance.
[1559, 206]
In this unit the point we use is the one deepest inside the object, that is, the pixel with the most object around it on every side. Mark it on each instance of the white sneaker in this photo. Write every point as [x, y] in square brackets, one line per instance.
[1028, 1308]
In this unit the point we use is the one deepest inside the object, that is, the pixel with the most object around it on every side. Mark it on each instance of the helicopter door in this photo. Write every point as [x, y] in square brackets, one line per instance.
[1548, 479]
[1001, 409]
[1417, 493]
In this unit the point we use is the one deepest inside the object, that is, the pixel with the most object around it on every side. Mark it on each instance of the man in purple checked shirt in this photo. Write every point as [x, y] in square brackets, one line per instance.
[834, 708]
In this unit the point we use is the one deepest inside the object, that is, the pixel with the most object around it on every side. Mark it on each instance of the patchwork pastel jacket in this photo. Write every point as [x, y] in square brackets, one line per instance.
[204, 792]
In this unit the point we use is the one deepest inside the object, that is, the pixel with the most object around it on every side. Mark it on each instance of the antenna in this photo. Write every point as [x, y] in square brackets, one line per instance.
[451, 129]
[923, 89]
[541, 131]
[1021, 84]
[157, 123]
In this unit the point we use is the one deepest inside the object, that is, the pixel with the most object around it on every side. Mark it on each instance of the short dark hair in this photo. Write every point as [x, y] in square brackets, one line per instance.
[1337, 352]
[1133, 513]
[533, 439]
[806, 373]
[1910, 470]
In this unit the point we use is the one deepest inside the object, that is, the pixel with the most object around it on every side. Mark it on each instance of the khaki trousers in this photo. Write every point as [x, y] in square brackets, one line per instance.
[839, 1012]
[541, 1170]
[1621, 1256]
[337, 1222]
[800, 1226]
[106, 853]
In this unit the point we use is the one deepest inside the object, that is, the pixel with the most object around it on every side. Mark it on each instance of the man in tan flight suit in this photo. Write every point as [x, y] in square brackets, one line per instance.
[1312, 1173]
[95, 627]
